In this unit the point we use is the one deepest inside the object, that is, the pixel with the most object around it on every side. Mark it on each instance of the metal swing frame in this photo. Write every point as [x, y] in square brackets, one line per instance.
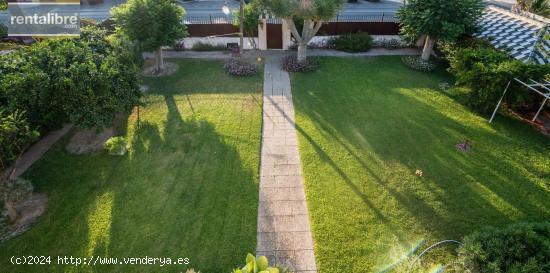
[542, 88]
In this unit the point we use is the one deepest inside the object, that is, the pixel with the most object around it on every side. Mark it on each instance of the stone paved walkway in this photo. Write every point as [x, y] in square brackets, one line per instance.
[284, 233]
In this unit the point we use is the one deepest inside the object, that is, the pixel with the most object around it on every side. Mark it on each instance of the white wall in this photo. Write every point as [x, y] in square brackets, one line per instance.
[189, 42]
[262, 35]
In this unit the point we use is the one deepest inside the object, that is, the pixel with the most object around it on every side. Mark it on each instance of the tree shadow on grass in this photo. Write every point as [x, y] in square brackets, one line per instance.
[195, 198]
[386, 132]
[181, 192]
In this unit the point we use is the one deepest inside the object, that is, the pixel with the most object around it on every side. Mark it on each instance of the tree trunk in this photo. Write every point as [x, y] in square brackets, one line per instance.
[241, 27]
[428, 46]
[302, 52]
[12, 213]
[159, 60]
[252, 41]
[309, 30]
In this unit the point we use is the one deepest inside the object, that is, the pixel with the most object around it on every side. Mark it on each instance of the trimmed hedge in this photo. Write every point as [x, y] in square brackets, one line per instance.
[352, 42]
[519, 248]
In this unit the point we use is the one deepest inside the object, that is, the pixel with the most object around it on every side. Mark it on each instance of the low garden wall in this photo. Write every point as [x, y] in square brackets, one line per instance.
[189, 42]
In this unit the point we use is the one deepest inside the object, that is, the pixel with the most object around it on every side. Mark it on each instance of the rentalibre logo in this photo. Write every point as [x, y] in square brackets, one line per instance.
[43, 18]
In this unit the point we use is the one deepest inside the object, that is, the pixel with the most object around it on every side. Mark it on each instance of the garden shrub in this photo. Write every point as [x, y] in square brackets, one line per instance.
[239, 68]
[179, 45]
[487, 72]
[353, 42]
[108, 24]
[116, 145]
[449, 48]
[84, 81]
[15, 136]
[291, 64]
[416, 63]
[391, 44]
[519, 248]
[201, 46]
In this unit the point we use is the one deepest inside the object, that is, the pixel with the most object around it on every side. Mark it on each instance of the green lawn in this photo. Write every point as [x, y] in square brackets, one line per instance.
[188, 187]
[366, 125]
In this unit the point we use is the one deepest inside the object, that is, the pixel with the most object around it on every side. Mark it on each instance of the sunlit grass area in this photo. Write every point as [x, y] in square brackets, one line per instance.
[187, 188]
[366, 125]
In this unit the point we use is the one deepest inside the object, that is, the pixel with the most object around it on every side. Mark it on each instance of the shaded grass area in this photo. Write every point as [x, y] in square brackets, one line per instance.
[187, 188]
[366, 125]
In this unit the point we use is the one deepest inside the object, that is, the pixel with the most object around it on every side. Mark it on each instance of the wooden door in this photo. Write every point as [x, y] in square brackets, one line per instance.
[274, 36]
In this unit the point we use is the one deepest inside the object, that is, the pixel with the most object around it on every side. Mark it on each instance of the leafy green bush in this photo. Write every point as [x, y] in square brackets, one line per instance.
[417, 63]
[15, 136]
[200, 46]
[256, 265]
[391, 44]
[519, 248]
[84, 81]
[116, 145]
[108, 24]
[487, 72]
[450, 48]
[353, 42]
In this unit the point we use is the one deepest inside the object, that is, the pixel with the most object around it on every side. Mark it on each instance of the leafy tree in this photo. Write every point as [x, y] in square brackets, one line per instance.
[3, 4]
[439, 20]
[152, 23]
[252, 12]
[85, 81]
[312, 12]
